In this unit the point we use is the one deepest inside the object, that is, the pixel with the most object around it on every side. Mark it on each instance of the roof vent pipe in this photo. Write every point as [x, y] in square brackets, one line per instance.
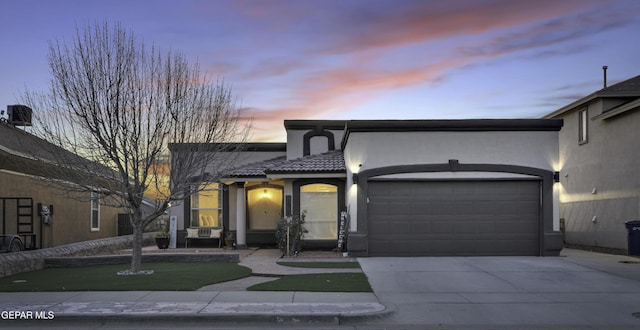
[604, 70]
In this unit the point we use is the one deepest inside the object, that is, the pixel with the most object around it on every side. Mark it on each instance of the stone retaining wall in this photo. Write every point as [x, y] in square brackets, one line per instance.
[25, 261]
[154, 257]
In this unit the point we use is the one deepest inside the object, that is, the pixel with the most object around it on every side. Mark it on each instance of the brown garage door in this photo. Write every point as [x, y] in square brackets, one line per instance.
[453, 218]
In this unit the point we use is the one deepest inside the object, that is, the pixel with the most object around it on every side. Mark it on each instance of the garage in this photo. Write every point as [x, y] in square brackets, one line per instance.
[454, 218]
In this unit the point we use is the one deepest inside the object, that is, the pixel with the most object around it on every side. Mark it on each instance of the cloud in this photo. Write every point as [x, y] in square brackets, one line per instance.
[551, 32]
[392, 25]
[337, 56]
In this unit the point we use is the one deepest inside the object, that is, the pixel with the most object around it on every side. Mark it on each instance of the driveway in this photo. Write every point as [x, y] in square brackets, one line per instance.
[578, 289]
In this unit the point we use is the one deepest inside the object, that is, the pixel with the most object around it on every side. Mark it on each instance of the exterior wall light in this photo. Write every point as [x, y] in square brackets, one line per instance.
[556, 176]
[355, 175]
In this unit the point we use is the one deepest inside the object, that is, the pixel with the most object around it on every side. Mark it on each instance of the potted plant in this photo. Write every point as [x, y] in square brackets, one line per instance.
[162, 239]
[229, 239]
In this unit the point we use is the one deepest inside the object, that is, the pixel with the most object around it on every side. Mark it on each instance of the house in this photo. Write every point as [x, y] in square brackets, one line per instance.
[599, 162]
[25, 198]
[409, 187]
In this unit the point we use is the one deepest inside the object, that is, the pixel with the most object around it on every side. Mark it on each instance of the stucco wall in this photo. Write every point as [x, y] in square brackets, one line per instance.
[600, 178]
[246, 157]
[537, 149]
[72, 218]
[295, 141]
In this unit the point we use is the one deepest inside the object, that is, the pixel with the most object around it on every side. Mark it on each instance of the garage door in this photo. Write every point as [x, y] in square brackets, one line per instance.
[466, 218]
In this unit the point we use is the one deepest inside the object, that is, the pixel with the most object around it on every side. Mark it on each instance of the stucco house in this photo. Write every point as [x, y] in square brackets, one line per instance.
[599, 162]
[23, 169]
[409, 187]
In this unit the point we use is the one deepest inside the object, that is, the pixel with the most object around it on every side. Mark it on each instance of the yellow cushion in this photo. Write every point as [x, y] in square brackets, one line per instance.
[215, 233]
[192, 232]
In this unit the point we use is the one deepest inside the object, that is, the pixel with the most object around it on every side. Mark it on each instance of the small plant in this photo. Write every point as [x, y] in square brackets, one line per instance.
[229, 235]
[290, 233]
[162, 239]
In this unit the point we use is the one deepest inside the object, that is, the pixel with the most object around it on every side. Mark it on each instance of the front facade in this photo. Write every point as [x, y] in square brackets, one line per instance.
[409, 188]
[599, 162]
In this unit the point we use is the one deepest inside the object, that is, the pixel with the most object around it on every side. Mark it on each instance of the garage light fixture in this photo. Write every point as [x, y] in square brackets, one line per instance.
[556, 176]
[354, 178]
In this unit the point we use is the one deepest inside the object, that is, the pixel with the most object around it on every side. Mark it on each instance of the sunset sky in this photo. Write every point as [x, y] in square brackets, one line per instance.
[333, 59]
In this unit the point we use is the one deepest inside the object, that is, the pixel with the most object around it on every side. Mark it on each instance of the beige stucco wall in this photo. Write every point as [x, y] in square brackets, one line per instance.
[72, 218]
[537, 149]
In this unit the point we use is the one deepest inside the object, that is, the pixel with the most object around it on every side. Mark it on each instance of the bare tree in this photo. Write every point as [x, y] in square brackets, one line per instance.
[121, 107]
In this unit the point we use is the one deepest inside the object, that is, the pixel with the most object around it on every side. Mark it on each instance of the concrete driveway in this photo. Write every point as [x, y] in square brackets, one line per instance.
[578, 289]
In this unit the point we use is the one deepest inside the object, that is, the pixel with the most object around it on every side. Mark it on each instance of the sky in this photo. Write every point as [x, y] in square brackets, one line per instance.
[344, 59]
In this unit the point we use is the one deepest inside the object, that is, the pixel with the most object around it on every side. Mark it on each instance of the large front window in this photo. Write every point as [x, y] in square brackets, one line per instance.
[319, 201]
[206, 208]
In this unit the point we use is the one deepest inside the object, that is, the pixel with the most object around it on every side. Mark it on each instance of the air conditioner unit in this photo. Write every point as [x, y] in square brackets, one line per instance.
[19, 115]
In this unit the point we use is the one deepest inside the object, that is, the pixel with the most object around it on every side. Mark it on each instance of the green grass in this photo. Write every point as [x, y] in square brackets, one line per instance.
[167, 276]
[321, 264]
[332, 282]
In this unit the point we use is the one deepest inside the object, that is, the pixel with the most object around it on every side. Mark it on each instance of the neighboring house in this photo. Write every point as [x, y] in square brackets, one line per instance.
[410, 187]
[599, 166]
[22, 188]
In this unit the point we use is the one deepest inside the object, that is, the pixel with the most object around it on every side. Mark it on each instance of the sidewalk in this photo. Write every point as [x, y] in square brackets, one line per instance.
[224, 302]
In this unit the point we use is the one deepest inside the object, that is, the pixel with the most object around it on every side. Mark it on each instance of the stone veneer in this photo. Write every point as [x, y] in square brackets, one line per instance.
[25, 261]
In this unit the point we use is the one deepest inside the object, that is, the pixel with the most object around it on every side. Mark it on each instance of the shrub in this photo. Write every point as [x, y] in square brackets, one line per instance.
[290, 233]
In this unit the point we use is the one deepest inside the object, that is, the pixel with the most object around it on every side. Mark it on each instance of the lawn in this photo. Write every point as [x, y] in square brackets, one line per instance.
[332, 282]
[167, 276]
[321, 264]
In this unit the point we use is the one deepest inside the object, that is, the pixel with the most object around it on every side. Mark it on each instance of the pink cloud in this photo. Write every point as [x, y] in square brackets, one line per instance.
[423, 21]
[341, 55]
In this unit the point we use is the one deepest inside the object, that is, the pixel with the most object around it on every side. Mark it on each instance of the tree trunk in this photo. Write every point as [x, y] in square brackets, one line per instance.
[136, 257]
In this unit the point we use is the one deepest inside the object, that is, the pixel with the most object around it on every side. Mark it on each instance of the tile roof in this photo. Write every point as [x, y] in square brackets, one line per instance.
[328, 162]
[256, 169]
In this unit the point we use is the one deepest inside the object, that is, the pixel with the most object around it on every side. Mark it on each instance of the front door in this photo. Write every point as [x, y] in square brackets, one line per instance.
[264, 211]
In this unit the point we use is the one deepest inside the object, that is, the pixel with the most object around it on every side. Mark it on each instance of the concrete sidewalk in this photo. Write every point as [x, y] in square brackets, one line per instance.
[579, 290]
[224, 302]
[273, 307]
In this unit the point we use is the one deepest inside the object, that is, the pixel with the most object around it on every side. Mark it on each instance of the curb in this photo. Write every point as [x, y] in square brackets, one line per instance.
[186, 319]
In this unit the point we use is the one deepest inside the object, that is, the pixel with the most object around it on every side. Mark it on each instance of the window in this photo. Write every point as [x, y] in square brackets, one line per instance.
[95, 211]
[582, 126]
[320, 202]
[206, 208]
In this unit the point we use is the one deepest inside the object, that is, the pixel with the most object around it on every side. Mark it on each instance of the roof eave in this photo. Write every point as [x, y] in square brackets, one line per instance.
[588, 99]
[304, 175]
[572, 106]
